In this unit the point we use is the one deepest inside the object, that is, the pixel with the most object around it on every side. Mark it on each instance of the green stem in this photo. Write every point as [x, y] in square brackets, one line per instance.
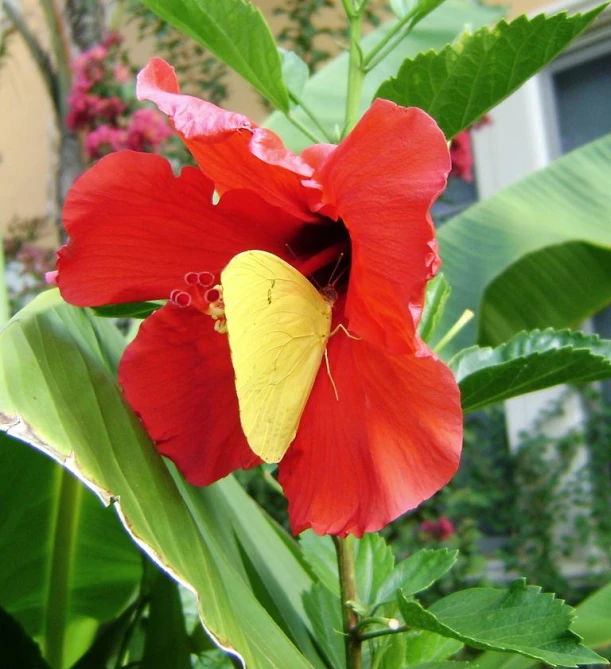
[383, 632]
[271, 482]
[387, 623]
[311, 115]
[384, 41]
[348, 8]
[347, 583]
[304, 129]
[356, 73]
[62, 559]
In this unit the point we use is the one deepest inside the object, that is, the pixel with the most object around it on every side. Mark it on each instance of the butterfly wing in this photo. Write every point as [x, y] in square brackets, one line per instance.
[278, 326]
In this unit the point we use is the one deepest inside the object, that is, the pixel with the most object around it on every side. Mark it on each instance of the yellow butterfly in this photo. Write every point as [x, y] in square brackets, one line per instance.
[278, 326]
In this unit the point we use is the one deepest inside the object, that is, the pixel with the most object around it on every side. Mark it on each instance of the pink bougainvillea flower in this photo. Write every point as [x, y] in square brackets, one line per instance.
[138, 232]
[440, 529]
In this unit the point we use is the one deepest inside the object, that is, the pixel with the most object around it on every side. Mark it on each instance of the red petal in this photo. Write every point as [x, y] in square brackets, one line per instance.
[392, 440]
[177, 376]
[229, 147]
[135, 230]
[381, 180]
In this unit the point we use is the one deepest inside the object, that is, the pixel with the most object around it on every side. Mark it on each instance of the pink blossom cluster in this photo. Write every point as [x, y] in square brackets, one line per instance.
[102, 105]
[440, 529]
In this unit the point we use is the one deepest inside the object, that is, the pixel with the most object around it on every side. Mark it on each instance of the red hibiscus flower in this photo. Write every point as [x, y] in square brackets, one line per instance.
[138, 232]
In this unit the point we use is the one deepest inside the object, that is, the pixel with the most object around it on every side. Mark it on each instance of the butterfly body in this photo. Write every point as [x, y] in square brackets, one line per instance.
[278, 326]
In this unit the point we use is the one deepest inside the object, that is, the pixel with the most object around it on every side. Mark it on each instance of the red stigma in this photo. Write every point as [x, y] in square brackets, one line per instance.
[205, 279]
[212, 295]
[180, 298]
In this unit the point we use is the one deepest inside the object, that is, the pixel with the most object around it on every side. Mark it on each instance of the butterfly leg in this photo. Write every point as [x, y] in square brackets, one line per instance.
[344, 329]
[331, 375]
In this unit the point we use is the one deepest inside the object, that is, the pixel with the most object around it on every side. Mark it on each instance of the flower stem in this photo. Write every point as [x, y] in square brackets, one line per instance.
[298, 101]
[304, 129]
[383, 632]
[393, 32]
[356, 73]
[347, 584]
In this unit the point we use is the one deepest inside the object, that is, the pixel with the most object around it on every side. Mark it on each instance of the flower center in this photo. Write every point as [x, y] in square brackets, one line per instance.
[323, 253]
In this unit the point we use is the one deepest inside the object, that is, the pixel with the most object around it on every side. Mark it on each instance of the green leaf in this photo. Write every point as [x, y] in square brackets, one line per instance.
[502, 259]
[107, 642]
[320, 554]
[446, 664]
[295, 71]
[520, 620]
[437, 294]
[128, 310]
[423, 8]
[77, 415]
[325, 92]
[494, 61]
[64, 556]
[18, 650]
[324, 610]
[417, 573]
[236, 33]
[4, 303]
[417, 649]
[593, 621]
[166, 643]
[423, 646]
[529, 361]
[373, 565]
[388, 651]
[402, 7]
[273, 563]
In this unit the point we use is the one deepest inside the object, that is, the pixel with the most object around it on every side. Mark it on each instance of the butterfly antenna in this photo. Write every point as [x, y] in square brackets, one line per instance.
[339, 259]
[340, 275]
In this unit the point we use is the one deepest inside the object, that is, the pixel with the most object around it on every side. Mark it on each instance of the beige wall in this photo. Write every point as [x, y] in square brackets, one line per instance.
[26, 123]
[26, 117]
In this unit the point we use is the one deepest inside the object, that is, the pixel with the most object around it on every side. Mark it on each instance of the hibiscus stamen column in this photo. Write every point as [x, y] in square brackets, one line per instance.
[348, 595]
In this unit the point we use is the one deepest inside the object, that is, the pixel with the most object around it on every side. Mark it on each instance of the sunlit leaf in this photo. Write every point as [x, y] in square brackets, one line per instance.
[437, 294]
[294, 71]
[77, 416]
[520, 619]
[459, 84]
[593, 619]
[325, 92]
[325, 612]
[592, 622]
[527, 362]
[534, 255]
[236, 33]
[417, 573]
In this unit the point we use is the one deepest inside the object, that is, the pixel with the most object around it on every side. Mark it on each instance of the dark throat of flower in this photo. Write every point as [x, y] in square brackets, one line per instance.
[323, 254]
